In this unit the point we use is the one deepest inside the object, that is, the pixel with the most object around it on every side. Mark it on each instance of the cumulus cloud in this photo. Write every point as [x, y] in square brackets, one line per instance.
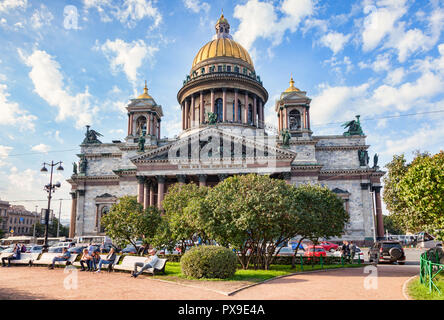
[8, 5]
[262, 20]
[12, 114]
[335, 41]
[41, 148]
[128, 12]
[49, 85]
[128, 57]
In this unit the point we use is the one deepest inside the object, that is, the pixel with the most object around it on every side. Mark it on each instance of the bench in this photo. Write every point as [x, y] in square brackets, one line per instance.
[26, 258]
[129, 261]
[102, 256]
[46, 259]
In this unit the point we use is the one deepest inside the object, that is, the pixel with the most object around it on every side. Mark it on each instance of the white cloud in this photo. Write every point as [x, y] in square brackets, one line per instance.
[260, 20]
[196, 5]
[337, 103]
[335, 41]
[4, 151]
[41, 148]
[12, 114]
[395, 77]
[42, 17]
[128, 12]
[7, 5]
[128, 57]
[49, 85]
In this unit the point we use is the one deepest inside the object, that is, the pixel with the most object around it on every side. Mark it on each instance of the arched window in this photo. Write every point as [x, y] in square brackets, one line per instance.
[219, 109]
[250, 114]
[104, 211]
[141, 126]
[294, 120]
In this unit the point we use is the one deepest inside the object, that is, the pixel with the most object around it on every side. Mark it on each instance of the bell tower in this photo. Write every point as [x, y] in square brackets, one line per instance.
[293, 112]
[144, 118]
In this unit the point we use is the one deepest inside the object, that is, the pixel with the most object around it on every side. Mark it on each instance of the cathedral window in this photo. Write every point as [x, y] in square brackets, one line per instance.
[236, 69]
[294, 120]
[229, 68]
[219, 109]
[141, 126]
[202, 71]
[250, 114]
[219, 68]
[244, 70]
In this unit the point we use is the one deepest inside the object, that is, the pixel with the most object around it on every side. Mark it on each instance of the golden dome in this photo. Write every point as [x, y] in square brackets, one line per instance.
[222, 19]
[145, 94]
[222, 47]
[292, 88]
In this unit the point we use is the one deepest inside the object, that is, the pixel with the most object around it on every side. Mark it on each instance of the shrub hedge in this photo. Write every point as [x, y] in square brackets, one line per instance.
[209, 262]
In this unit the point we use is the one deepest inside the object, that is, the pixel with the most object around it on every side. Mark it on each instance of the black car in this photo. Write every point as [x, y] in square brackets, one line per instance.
[387, 251]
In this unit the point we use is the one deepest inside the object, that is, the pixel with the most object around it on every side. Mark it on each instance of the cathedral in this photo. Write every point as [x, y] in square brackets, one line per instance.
[223, 134]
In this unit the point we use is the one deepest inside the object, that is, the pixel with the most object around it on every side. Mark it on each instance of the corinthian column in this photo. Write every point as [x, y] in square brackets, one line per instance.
[160, 190]
[140, 195]
[224, 105]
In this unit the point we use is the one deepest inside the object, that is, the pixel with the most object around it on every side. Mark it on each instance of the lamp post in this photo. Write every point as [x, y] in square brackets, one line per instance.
[50, 188]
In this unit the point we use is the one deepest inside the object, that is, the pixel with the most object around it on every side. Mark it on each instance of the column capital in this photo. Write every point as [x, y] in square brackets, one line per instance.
[202, 177]
[73, 195]
[286, 175]
[376, 189]
[222, 176]
[141, 179]
[161, 179]
[181, 178]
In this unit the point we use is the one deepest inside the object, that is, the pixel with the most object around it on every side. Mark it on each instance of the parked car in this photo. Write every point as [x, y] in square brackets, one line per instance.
[387, 251]
[329, 246]
[77, 250]
[35, 249]
[131, 249]
[285, 251]
[55, 249]
[8, 250]
[165, 251]
[315, 251]
[359, 254]
[294, 245]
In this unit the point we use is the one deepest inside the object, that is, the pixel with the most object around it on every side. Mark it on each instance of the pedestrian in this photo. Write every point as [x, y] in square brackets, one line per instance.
[352, 248]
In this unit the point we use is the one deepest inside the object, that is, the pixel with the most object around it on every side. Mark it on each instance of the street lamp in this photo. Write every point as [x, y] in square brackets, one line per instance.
[50, 188]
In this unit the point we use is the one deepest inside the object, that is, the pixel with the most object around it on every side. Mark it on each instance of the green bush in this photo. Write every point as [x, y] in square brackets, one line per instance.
[209, 262]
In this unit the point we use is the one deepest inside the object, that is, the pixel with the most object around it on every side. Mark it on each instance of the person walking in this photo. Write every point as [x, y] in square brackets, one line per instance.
[352, 251]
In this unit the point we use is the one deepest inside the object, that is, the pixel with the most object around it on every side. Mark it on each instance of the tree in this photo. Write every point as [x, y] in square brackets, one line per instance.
[182, 207]
[127, 222]
[322, 213]
[422, 190]
[392, 226]
[52, 229]
[251, 213]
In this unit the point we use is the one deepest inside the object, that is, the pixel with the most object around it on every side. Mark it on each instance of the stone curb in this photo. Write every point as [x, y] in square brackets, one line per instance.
[404, 288]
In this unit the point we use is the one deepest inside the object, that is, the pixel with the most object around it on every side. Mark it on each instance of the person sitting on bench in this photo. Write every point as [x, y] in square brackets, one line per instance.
[86, 258]
[150, 262]
[15, 256]
[108, 260]
[64, 257]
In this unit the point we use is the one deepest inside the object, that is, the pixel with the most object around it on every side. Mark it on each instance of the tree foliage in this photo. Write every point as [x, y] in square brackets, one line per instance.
[52, 229]
[414, 192]
[422, 190]
[392, 226]
[127, 222]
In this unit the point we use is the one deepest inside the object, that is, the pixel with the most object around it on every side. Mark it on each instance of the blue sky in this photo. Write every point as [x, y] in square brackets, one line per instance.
[65, 64]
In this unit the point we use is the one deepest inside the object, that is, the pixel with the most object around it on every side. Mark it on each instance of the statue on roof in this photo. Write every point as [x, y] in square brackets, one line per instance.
[91, 136]
[354, 127]
[83, 165]
[74, 168]
[286, 138]
[212, 118]
[142, 143]
[375, 161]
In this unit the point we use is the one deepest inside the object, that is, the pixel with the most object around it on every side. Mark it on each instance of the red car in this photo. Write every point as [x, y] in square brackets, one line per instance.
[328, 246]
[315, 251]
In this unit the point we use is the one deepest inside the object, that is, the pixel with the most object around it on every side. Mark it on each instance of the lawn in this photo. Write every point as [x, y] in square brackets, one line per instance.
[173, 272]
[419, 291]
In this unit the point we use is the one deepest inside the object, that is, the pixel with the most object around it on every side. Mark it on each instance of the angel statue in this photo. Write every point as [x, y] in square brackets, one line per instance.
[354, 127]
[212, 117]
[74, 168]
[286, 138]
[142, 144]
[91, 136]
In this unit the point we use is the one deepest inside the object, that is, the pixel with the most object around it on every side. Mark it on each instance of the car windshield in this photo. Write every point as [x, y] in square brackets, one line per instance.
[389, 245]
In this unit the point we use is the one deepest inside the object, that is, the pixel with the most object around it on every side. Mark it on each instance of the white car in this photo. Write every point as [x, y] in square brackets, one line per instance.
[358, 254]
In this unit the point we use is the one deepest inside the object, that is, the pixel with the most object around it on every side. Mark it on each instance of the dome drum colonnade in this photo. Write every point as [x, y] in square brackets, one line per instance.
[222, 80]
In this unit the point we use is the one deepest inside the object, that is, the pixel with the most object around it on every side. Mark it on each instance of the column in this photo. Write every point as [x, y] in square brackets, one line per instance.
[148, 125]
[97, 217]
[182, 108]
[236, 106]
[304, 114]
[146, 199]
[379, 217]
[279, 121]
[308, 118]
[213, 110]
[187, 111]
[202, 180]
[152, 194]
[72, 225]
[202, 108]
[129, 123]
[80, 212]
[254, 111]
[224, 105]
[160, 190]
[286, 118]
[140, 195]
[193, 110]
[158, 128]
[261, 109]
[246, 108]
